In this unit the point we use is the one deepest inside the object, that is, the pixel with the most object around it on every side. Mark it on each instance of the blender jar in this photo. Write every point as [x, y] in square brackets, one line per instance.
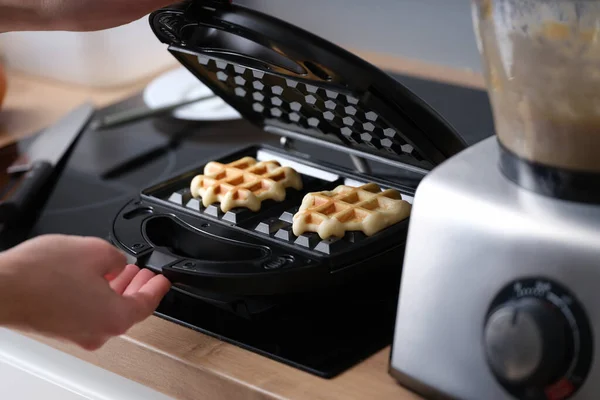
[541, 63]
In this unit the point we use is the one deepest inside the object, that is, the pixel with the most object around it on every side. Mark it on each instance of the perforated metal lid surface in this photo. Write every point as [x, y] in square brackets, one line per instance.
[293, 83]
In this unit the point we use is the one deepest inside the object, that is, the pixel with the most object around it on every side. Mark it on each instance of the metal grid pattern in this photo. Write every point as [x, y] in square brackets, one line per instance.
[318, 110]
[281, 229]
[278, 227]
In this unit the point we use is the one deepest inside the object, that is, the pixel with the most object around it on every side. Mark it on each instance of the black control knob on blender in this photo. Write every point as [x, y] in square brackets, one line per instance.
[526, 342]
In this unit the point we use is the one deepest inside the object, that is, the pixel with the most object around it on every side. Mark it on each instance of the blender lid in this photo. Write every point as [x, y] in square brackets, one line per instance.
[292, 83]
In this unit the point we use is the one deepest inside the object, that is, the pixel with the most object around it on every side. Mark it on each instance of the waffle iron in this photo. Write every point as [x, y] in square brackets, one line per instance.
[300, 87]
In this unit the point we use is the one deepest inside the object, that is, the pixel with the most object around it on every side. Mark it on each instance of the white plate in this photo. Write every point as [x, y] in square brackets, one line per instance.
[178, 85]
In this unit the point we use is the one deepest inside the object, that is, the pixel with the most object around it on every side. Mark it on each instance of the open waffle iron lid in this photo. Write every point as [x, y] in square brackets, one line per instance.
[294, 84]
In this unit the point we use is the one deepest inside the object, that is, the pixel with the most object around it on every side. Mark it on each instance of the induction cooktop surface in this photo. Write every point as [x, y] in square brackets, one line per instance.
[324, 332]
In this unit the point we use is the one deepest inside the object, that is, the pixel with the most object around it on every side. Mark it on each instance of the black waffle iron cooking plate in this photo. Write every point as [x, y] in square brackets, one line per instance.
[295, 85]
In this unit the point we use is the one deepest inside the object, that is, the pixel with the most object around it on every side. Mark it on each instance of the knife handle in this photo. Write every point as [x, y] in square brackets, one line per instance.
[18, 201]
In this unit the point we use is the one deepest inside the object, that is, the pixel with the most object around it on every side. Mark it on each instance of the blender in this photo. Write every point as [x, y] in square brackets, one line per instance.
[499, 296]
[542, 69]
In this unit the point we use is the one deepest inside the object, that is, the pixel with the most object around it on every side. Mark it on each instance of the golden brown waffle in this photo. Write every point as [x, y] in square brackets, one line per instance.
[244, 183]
[365, 208]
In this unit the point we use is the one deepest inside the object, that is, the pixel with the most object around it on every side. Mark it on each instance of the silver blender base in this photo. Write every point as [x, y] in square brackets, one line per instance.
[472, 234]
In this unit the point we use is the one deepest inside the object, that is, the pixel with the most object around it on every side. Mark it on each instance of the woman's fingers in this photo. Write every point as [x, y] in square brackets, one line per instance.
[156, 288]
[138, 281]
[140, 293]
[145, 299]
[122, 281]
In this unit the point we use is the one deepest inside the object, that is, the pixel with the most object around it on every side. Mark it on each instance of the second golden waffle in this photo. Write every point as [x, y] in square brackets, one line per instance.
[365, 208]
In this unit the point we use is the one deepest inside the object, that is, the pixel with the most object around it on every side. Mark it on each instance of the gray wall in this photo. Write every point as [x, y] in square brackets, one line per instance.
[435, 31]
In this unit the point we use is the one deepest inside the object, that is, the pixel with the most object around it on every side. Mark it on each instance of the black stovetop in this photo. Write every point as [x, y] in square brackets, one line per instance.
[322, 333]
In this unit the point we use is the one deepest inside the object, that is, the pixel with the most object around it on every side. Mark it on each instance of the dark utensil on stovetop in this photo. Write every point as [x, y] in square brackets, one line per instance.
[129, 115]
[30, 173]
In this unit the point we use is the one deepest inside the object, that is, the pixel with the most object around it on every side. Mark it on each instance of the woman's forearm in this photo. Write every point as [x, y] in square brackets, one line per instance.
[22, 15]
[72, 15]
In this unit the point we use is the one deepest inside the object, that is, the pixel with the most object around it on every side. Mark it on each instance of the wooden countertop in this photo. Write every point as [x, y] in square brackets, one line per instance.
[175, 360]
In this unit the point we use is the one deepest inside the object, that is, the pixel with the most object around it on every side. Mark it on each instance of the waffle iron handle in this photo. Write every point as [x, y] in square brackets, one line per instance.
[188, 270]
[240, 277]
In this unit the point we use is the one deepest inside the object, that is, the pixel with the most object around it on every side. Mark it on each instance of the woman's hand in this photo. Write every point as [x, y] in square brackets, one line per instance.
[72, 15]
[75, 288]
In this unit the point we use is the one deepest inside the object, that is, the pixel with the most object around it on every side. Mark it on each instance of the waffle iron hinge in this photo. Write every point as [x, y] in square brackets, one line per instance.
[359, 159]
[361, 164]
